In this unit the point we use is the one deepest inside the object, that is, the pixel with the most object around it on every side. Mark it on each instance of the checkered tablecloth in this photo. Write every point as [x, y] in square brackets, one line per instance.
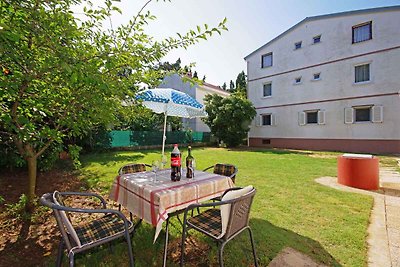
[153, 201]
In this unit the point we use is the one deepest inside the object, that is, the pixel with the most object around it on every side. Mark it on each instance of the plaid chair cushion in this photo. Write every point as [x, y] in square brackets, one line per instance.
[224, 169]
[208, 221]
[101, 228]
[132, 168]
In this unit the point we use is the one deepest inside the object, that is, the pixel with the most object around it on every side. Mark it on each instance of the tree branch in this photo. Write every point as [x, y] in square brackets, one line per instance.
[134, 22]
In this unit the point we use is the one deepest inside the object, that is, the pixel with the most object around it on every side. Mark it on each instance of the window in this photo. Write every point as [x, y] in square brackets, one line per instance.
[266, 60]
[362, 32]
[266, 119]
[297, 80]
[312, 117]
[361, 73]
[317, 76]
[267, 89]
[366, 113]
[297, 45]
[266, 141]
[362, 114]
[317, 39]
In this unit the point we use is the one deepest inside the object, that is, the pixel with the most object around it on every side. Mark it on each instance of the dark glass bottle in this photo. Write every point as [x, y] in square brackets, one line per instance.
[189, 164]
[175, 164]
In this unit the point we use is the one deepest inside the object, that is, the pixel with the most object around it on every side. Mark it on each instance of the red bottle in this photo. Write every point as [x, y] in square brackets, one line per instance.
[176, 164]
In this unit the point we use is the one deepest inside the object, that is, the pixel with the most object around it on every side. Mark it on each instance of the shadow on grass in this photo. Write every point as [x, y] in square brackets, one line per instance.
[271, 150]
[271, 239]
[107, 158]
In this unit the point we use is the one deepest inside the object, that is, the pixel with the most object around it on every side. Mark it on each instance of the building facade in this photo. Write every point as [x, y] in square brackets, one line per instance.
[196, 91]
[329, 83]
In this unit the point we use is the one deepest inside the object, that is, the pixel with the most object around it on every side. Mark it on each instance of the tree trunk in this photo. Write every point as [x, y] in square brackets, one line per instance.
[32, 172]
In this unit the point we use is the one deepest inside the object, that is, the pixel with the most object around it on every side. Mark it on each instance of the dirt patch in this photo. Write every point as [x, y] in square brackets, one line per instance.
[33, 240]
[30, 240]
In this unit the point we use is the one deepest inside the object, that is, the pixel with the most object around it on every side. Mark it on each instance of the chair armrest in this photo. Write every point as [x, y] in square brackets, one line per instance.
[206, 169]
[86, 194]
[234, 174]
[83, 210]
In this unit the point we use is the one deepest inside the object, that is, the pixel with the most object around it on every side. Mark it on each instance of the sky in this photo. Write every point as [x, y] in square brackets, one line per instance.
[251, 24]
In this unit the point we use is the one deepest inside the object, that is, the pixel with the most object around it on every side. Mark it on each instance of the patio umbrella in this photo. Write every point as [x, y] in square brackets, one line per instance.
[172, 103]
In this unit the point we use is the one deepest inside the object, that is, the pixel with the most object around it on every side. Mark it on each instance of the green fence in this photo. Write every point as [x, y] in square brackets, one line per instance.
[145, 138]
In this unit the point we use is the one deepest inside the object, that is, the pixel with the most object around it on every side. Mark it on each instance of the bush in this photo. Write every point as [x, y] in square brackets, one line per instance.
[229, 118]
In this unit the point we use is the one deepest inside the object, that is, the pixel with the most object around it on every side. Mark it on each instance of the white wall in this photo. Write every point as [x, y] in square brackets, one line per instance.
[337, 79]
[196, 91]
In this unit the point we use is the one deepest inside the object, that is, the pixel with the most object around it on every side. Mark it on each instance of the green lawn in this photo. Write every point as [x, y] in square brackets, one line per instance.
[289, 209]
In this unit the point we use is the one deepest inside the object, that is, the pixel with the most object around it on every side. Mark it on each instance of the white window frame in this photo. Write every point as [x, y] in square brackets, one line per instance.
[376, 114]
[370, 73]
[359, 26]
[317, 37]
[272, 60]
[262, 93]
[321, 120]
[319, 78]
[295, 80]
[259, 119]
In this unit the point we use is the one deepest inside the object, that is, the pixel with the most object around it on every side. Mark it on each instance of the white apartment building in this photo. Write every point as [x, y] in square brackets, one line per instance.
[198, 92]
[330, 83]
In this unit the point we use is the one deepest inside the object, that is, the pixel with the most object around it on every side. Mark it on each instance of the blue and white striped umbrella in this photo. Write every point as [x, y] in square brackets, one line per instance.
[172, 103]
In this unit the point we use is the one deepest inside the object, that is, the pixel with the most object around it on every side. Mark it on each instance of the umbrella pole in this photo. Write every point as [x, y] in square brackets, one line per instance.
[164, 137]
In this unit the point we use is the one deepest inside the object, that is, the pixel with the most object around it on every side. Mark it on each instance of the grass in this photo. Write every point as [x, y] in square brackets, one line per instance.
[290, 209]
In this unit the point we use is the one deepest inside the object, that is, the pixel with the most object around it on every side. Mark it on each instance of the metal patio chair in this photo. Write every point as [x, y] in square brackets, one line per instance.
[224, 169]
[133, 167]
[223, 224]
[94, 232]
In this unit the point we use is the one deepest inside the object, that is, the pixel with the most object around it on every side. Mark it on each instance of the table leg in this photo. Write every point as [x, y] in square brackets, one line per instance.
[166, 244]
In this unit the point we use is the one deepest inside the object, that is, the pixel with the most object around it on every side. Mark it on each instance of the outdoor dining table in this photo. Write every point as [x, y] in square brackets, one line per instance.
[155, 201]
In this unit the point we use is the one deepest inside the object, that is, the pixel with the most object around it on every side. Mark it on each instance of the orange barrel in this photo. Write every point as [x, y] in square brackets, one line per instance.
[359, 172]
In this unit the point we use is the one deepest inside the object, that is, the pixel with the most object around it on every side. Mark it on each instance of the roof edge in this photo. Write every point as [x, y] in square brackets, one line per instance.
[332, 15]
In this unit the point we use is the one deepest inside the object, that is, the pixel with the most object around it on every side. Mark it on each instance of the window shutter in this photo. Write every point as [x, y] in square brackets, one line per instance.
[348, 115]
[377, 114]
[321, 117]
[273, 119]
[258, 120]
[302, 118]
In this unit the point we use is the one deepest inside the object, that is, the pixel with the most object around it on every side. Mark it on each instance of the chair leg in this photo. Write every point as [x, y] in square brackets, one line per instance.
[183, 243]
[60, 253]
[130, 253]
[253, 247]
[220, 255]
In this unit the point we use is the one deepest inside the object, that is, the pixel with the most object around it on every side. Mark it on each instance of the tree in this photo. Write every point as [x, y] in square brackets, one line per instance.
[195, 75]
[241, 83]
[229, 118]
[64, 77]
[231, 86]
[224, 86]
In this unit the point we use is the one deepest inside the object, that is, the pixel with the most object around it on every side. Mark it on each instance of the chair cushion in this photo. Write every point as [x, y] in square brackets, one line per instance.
[224, 169]
[58, 200]
[132, 168]
[208, 221]
[226, 209]
[103, 227]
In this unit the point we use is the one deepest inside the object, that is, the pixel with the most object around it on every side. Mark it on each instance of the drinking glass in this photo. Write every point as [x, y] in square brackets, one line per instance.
[155, 166]
[193, 167]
